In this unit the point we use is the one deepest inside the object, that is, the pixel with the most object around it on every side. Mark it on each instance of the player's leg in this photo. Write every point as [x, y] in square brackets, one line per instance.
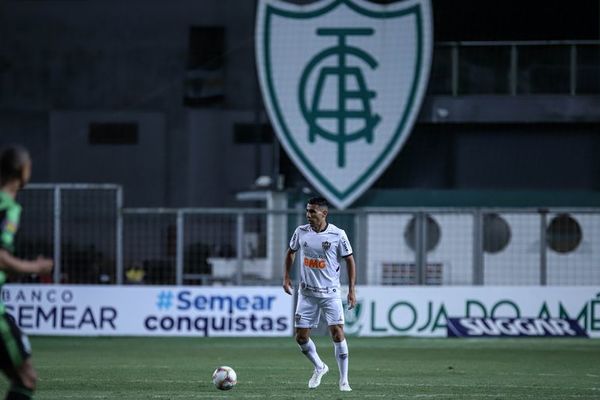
[15, 360]
[23, 381]
[307, 317]
[334, 314]
[341, 354]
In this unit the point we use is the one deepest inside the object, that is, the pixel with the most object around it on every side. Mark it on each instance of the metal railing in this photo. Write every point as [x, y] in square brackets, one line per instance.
[76, 224]
[513, 68]
[95, 241]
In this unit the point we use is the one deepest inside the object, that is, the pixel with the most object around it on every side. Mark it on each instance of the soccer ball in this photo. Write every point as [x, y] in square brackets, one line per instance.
[224, 378]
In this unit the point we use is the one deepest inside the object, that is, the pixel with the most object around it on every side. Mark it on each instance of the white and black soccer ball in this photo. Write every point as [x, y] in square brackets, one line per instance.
[224, 378]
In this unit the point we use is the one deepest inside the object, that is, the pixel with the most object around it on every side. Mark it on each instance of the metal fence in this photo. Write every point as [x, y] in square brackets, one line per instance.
[516, 67]
[78, 225]
[94, 240]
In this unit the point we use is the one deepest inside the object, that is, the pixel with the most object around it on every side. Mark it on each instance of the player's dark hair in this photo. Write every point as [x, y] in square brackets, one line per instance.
[318, 201]
[12, 161]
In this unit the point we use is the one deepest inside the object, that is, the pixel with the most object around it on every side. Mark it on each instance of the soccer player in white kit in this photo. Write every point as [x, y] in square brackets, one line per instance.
[321, 246]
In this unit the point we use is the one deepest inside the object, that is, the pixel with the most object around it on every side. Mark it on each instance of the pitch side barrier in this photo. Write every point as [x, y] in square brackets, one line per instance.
[479, 327]
[425, 311]
[268, 311]
[150, 311]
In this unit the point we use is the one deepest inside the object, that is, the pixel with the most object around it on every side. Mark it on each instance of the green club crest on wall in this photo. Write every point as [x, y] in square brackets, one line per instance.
[343, 81]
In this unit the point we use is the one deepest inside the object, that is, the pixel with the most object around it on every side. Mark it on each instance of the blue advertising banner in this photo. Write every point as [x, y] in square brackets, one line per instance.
[514, 327]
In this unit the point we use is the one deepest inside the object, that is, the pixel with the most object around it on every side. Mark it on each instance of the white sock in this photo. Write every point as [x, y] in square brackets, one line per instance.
[341, 356]
[310, 351]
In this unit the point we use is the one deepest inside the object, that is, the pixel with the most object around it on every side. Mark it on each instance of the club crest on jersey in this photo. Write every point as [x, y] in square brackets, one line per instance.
[326, 245]
[343, 82]
[305, 244]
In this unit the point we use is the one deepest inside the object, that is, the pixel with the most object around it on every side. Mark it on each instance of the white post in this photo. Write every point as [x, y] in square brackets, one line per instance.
[57, 239]
[276, 233]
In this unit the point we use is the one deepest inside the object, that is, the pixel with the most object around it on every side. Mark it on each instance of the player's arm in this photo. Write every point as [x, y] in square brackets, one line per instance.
[351, 267]
[40, 265]
[290, 255]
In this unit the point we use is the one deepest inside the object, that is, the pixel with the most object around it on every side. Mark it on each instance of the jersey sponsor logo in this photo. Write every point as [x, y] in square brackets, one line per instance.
[336, 100]
[345, 245]
[326, 245]
[315, 289]
[315, 263]
[10, 226]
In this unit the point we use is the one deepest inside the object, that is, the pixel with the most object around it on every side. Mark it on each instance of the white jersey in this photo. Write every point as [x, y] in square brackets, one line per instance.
[319, 257]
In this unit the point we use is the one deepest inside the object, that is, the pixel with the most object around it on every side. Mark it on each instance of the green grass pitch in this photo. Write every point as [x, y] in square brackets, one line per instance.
[380, 368]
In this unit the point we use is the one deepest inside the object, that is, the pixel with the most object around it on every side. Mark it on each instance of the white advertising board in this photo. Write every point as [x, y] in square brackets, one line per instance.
[422, 311]
[149, 311]
[268, 311]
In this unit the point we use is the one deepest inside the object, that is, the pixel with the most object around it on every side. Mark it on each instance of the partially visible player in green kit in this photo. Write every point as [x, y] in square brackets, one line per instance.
[15, 351]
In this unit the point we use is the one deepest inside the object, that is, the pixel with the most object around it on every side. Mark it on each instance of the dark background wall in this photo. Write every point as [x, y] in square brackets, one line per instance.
[515, 20]
[183, 73]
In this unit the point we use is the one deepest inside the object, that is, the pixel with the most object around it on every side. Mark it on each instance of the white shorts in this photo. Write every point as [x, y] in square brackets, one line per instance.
[308, 311]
